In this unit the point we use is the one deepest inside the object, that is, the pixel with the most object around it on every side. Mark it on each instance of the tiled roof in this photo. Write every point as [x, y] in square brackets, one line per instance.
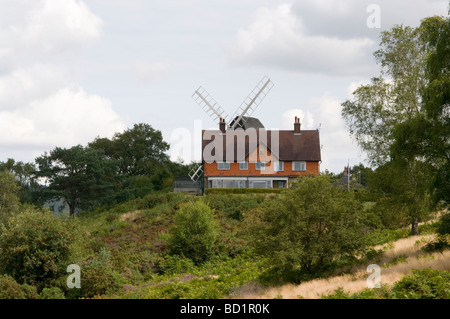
[303, 146]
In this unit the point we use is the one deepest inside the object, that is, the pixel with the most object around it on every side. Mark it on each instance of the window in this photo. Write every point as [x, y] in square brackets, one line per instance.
[279, 166]
[228, 183]
[223, 166]
[298, 166]
[260, 166]
[243, 166]
[260, 184]
[217, 184]
[240, 184]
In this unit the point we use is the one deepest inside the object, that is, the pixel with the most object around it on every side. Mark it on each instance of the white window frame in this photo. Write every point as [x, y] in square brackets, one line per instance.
[279, 166]
[224, 167]
[262, 166]
[302, 165]
[246, 166]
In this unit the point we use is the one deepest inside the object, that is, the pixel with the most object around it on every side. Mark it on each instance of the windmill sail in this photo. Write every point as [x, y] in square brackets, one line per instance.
[251, 102]
[209, 105]
[196, 172]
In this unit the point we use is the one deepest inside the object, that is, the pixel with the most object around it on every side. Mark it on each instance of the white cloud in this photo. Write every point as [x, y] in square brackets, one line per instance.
[41, 104]
[52, 26]
[337, 145]
[65, 118]
[276, 38]
[306, 119]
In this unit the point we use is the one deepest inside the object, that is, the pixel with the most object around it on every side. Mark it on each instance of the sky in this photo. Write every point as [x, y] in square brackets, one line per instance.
[73, 70]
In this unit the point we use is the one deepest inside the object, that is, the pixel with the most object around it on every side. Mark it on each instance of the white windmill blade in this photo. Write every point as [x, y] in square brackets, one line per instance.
[209, 105]
[196, 172]
[252, 101]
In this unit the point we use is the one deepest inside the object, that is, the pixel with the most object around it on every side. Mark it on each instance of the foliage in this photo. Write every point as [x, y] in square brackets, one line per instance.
[35, 246]
[99, 280]
[10, 289]
[377, 107]
[423, 284]
[211, 191]
[52, 293]
[83, 177]
[402, 191]
[234, 206]
[444, 225]
[194, 232]
[138, 151]
[24, 176]
[309, 228]
[9, 200]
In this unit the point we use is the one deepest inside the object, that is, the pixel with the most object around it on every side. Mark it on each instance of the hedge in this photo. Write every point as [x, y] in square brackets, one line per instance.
[210, 191]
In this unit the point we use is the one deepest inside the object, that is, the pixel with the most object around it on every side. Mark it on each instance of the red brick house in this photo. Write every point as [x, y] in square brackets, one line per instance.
[257, 158]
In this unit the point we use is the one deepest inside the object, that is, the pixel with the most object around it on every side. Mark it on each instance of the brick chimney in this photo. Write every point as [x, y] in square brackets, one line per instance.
[222, 125]
[297, 125]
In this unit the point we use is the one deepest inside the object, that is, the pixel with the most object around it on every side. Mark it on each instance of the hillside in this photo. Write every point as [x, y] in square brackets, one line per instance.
[131, 240]
[399, 259]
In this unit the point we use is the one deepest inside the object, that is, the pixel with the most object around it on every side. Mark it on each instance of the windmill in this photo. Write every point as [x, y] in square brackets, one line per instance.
[239, 118]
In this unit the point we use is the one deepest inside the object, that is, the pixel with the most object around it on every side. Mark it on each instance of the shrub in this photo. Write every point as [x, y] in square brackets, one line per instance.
[309, 228]
[30, 292]
[211, 191]
[194, 232]
[171, 265]
[36, 246]
[444, 225]
[10, 289]
[52, 293]
[98, 280]
[423, 284]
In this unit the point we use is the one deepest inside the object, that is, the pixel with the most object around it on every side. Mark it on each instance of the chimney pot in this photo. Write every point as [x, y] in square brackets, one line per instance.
[222, 125]
[297, 125]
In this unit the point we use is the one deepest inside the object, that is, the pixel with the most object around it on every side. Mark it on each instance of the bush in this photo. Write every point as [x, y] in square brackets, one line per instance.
[423, 284]
[99, 280]
[444, 225]
[211, 191]
[36, 246]
[309, 229]
[234, 205]
[194, 232]
[10, 289]
[52, 293]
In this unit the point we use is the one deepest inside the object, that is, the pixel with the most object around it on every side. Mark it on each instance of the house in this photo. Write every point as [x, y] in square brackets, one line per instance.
[253, 157]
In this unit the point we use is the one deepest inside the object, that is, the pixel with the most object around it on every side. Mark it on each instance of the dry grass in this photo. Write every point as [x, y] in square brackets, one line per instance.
[130, 216]
[406, 251]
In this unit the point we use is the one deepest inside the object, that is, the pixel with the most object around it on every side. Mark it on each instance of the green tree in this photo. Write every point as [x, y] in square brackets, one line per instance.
[24, 175]
[402, 192]
[309, 228]
[83, 177]
[139, 151]
[427, 135]
[391, 98]
[36, 245]
[194, 232]
[378, 110]
[9, 200]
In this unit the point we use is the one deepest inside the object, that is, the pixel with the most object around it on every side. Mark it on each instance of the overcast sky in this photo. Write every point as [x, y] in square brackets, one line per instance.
[72, 70]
